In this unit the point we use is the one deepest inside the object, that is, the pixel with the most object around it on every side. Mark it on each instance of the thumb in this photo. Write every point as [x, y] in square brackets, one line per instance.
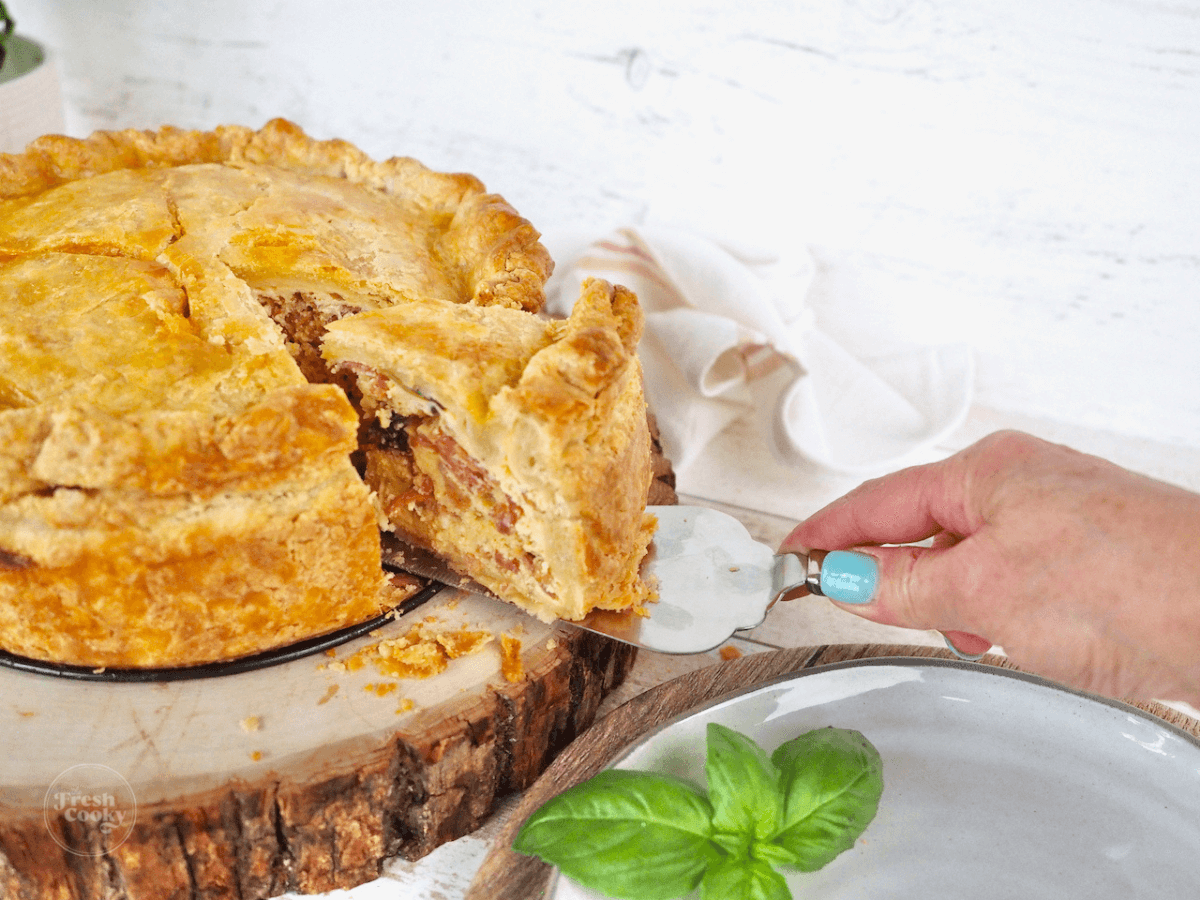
[908, 587]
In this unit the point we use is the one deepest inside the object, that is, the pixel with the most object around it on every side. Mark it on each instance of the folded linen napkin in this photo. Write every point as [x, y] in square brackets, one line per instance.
[730, 335]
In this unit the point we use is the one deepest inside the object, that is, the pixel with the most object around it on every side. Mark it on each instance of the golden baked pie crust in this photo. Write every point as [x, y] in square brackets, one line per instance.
[173, 489]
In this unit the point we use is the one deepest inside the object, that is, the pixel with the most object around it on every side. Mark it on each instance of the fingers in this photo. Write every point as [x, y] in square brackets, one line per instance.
[945, 586]
[907, 506]
[970, 647]
[909, 587]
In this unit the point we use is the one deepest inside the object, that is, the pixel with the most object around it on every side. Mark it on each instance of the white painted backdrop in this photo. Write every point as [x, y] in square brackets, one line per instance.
[1020, 174]
[1023, 175]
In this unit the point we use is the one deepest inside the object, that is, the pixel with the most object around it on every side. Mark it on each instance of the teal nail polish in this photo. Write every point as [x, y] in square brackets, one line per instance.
[849, 577]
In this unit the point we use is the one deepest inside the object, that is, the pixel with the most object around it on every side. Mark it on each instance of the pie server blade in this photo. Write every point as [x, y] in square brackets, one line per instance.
[712, 579]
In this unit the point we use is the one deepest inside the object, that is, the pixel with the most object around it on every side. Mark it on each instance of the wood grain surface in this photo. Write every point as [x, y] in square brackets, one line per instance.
[294, 778]
[507, 875]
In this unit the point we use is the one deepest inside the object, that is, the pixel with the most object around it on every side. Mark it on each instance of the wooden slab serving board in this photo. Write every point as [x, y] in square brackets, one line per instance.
[297, 777]
[506, 875]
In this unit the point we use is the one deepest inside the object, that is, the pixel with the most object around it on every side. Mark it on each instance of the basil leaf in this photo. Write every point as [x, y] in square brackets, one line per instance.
[733, 844]
[743, 785]
[744, 879]
[772, 853]
[832, 780]
[634, 835]
[7, 25]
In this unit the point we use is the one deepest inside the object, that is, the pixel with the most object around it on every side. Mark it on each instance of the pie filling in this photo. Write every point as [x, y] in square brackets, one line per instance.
[428, 486]
[432, 487]
[303, 320]
[422, 478]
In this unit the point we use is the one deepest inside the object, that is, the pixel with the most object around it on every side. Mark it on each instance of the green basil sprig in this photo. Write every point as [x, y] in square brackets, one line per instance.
[6, 29]
[644, 836]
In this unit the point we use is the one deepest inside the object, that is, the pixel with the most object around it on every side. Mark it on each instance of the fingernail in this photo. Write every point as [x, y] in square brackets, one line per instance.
[965, 657]
[849, 577]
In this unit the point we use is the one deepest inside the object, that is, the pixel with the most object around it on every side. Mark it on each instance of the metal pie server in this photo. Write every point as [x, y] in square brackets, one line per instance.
[712, 578]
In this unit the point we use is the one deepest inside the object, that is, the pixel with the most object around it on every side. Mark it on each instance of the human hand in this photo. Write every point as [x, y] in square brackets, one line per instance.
[1082, 571]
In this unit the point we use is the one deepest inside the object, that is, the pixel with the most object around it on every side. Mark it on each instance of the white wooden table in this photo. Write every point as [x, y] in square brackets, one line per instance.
[1019, 175]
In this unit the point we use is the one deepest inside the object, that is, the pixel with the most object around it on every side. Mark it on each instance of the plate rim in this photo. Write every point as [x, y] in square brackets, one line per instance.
[910, 662]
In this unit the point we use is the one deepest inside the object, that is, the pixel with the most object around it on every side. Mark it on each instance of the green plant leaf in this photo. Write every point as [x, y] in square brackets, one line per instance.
[743, 786]
[772, 853]
[743, 879]
[627, 834]
[832, 780]
[644, 836]
[733, 844]
[7, 26]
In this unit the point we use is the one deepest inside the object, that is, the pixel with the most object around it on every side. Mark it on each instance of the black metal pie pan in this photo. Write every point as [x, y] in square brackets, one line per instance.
[264, 660]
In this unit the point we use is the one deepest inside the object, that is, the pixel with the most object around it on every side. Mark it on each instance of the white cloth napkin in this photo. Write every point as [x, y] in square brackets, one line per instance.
[730, 335]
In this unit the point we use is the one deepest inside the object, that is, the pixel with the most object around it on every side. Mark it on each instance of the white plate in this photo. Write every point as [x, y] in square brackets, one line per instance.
[996, 784]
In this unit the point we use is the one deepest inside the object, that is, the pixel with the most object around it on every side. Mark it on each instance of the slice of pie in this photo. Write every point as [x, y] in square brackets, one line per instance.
[229, 358]
[514, 446]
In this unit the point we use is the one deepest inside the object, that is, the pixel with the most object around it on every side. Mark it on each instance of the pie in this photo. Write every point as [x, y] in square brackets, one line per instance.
[230, 359]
